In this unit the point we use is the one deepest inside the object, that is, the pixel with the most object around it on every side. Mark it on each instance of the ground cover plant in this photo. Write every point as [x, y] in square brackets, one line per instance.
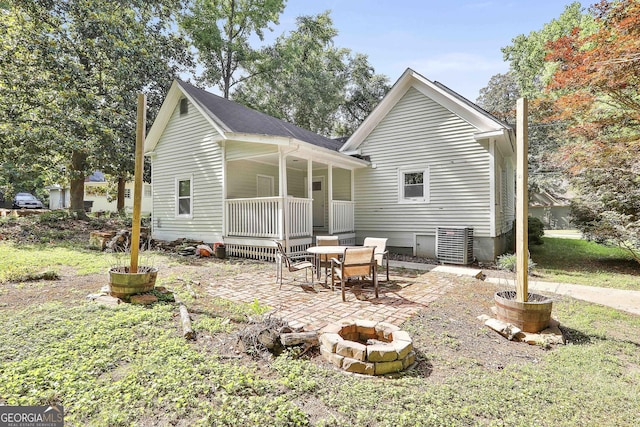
[129, 365]
[585, 263]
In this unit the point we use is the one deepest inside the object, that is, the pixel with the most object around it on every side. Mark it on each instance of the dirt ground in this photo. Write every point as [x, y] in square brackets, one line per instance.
[447, 336]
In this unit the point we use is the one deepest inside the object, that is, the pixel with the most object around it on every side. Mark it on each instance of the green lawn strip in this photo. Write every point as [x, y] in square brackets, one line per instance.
[20, 263]
[125, 365]
[584, 263]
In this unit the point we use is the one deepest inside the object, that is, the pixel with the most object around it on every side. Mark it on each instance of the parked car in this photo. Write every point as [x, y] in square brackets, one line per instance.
[26, 201]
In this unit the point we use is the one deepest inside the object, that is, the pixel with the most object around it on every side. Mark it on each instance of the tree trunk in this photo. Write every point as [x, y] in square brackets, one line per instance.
[120, 197]
[77, 172]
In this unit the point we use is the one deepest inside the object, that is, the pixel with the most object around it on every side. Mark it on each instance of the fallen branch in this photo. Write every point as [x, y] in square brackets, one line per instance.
[187, 330]
[295, 338]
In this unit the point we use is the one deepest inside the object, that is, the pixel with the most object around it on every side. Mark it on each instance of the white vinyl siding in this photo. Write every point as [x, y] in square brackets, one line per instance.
[341, 184]
[241, 178]
[188, 147]
[419, 131]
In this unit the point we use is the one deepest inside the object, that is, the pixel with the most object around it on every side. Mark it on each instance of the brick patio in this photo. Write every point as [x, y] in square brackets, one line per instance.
[311, 308]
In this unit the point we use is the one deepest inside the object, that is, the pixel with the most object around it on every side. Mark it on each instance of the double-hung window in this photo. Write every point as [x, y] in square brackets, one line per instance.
[184, 197]
[413, 185]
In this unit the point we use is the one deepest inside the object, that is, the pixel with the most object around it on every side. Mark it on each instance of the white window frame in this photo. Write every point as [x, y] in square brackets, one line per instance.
[425, 184]
[127, 193]
[177, 196]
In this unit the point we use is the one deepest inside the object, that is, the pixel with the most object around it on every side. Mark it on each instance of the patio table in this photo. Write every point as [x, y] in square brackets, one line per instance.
[325, 250]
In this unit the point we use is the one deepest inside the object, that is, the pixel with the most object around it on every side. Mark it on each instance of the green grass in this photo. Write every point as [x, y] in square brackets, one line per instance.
[585, 263]
[22, 263]
[124, 365]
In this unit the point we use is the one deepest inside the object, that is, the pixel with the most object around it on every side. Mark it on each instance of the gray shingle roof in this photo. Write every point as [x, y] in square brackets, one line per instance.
[234, 117]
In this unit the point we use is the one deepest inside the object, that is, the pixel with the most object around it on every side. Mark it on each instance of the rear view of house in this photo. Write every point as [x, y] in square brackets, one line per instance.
[425, 161]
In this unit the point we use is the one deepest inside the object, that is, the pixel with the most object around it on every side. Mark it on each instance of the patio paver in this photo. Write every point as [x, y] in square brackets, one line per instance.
[313, 308]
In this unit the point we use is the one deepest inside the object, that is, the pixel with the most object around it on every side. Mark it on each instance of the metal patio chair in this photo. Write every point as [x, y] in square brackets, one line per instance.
[293, 264]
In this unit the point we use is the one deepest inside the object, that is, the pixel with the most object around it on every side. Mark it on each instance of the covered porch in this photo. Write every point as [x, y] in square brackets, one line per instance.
[286, 194]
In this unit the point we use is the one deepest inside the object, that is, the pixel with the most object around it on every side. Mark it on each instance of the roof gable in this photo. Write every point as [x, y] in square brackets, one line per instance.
[229, 117]
[477, 117]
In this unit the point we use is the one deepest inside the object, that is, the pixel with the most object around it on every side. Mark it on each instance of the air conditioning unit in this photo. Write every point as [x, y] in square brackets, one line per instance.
[454, 245]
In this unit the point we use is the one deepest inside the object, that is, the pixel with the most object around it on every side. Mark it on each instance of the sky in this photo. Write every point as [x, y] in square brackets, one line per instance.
[455, 42]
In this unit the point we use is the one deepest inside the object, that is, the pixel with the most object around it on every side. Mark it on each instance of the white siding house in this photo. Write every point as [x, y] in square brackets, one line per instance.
[222, 172]
[437, 160]
[425, 158]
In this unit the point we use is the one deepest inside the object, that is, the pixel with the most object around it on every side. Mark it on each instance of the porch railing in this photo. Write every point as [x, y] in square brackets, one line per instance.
[264, 217]
[343, 217]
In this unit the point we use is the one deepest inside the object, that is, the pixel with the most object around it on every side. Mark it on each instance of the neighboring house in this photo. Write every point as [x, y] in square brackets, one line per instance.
[553, 211]
[425, 158]
[59, 197]
[95, 197]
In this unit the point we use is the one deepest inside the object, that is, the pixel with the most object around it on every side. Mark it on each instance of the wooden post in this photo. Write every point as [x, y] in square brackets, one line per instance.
[137, 189]
[522, 201]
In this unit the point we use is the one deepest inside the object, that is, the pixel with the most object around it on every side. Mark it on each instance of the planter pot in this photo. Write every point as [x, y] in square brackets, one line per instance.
[531, 316]
[123, 283]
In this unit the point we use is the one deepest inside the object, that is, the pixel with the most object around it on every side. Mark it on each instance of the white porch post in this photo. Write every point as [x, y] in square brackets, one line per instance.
[282, 188]
[353, 198]
[492, 183]
[310, 194]
[225, 207]
[330, 197]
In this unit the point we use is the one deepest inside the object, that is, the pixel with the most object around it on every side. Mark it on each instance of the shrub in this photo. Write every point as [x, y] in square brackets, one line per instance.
[509, 261]
[536, 230]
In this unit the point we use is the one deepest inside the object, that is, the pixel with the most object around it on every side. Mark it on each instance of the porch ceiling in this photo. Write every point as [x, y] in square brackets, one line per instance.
[294, 162]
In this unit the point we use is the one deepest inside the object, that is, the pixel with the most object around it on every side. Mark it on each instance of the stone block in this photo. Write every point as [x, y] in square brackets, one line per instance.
[381, 353]
[329, 341]
[352, 349]
[401, 336]
[108, 300]
[358, 366]
[331, 357]
[366, 329]
[351, 336]
[409, 360]
[388, 367]
[385, 330]
[347, 326]
[331, 328]
[402, 348]
[143, 299]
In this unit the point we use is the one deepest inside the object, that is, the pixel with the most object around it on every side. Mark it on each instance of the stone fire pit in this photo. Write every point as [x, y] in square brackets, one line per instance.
[367, 347]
